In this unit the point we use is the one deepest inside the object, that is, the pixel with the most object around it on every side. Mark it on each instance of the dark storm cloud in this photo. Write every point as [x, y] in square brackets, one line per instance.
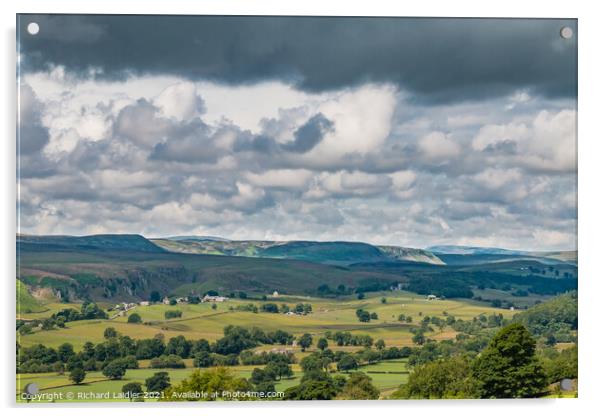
[435, 59]
[310, 134]
[33, 136]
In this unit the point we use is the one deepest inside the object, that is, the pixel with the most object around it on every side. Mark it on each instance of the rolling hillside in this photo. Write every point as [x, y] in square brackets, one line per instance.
[129, 242]
[333, 252]
[129, 267]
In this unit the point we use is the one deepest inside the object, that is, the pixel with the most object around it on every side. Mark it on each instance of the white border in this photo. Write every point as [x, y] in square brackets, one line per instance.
[590, 290]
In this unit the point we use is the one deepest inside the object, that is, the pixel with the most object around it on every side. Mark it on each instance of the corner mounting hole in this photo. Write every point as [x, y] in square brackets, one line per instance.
[566, 32]
[33, 28]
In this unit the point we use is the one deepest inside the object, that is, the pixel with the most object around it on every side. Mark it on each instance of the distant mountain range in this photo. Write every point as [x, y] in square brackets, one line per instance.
[332, 252]
[550, 256]
[129, 267]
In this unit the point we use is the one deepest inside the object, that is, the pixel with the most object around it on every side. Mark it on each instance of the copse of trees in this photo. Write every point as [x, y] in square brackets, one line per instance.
[502, 366]
[358, 387]
[343, 338]
[270, 308]
[444, 378]
[173, 313]
[88, 310]
[559, 365]
[134, 318]
[213, 382]
[158, 382]
[556, 317]
[362, 315]
[236, 340]
[168, 361]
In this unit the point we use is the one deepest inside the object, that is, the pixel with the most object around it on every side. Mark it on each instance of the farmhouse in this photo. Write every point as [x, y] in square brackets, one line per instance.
[431, 297]
[166, 300]
[125, 306]
[144, 303]
[208, 298]
[275, 294]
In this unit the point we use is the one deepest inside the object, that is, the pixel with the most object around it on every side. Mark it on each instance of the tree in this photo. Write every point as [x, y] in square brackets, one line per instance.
[374, 315]
[155, 296]
[211, 382]
[170, 314]
[77, 375]
[419, 338]
[318, 386]
[65, 352]
[158, 382]
[322, 344]
[132, 391]
[359, 387]
[115, 370]
[279, 369]
[362, 315]
[361, 295]
[110, 332]
[269, 307]
[305, 341]
[445, 378]
[508, 366]
[347, 362]
[383, 300]
[235, 340]
[179, 346]
[380, 345]
[203, 359]
[134, 319]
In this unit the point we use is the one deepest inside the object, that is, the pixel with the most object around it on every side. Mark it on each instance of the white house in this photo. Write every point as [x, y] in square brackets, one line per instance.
[208, 298]
[144, 303]
[431, 297]
[275, 294]
[166, 300]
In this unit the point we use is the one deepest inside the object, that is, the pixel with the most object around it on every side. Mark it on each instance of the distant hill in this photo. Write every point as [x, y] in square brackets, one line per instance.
[330, 252]
[129, 267]
[471, 255]
[196, 238]
[451, 249]
[129, 242]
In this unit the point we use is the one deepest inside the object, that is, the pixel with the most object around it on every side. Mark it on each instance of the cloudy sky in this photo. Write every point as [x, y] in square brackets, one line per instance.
[410, 132]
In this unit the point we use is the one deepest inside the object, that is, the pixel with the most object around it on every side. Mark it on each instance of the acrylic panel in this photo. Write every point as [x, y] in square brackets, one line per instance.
[217, 208]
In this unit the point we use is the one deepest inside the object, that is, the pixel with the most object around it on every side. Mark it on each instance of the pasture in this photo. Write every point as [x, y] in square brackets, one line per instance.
[201, 321]
[386, 376]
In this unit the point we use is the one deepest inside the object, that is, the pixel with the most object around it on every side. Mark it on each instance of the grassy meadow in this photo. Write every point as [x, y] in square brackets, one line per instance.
[386, 376]
[201, 321]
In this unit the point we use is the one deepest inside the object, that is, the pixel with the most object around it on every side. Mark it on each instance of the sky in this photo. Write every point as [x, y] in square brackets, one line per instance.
[402, 131]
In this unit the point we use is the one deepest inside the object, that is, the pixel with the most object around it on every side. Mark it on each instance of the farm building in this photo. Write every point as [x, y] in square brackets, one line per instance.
[431, 297]
[208, 298]
[275, 294]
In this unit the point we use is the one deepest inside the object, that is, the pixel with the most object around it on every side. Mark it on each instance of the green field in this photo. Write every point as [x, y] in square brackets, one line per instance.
[200, 321]
[386, 376]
